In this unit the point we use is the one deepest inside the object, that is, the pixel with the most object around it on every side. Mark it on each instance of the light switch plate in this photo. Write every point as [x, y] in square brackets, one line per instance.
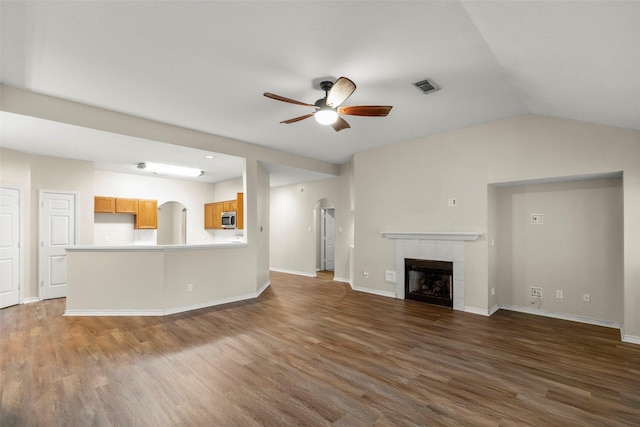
[536, 218]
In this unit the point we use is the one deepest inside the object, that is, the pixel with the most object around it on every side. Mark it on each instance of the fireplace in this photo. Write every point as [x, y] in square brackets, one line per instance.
[429, 281]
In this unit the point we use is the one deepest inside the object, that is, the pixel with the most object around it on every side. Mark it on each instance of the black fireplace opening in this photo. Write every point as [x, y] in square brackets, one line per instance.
[429, 281]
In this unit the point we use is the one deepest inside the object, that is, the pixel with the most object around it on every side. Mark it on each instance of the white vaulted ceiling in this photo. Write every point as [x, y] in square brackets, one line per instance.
[205, 65]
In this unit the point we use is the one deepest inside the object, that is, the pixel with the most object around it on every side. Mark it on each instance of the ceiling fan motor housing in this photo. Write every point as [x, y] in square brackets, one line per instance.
[326, 86]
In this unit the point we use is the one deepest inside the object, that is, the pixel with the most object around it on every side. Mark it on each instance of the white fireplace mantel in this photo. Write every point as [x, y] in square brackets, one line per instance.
[431, 235]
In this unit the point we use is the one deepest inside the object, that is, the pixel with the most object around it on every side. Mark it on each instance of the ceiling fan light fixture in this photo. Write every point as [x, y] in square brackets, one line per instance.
[164, 169]
[326, 116]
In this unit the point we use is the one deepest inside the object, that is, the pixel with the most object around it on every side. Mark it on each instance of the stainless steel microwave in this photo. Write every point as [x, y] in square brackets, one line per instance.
[229, 219]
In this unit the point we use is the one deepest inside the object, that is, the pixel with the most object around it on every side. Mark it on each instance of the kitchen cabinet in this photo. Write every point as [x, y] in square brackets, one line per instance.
[240, 211]
[209, 216]
[213, 215]
[104, 204]
[127, 206]
[147, 216]
[218, 208]
[145, 210]
[213, 212]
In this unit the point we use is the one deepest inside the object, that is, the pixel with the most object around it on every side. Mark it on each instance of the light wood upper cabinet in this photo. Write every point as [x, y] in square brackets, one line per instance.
[104, 204]
[213, 212]
[209, 216]
[147, 217]
[240, 211]
[213, 215]
[127, 206]
[218, 208]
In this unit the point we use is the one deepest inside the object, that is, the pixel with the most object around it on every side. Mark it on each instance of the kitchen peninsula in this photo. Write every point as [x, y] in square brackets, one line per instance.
[157, 280]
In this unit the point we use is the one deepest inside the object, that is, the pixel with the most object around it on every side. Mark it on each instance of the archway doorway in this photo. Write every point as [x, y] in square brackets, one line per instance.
[172, 224]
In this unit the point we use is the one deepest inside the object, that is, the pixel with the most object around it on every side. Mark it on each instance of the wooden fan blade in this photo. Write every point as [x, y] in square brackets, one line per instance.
[289, 100]
[340, 124]
[297, 119]
[366, 110]
[340, 91]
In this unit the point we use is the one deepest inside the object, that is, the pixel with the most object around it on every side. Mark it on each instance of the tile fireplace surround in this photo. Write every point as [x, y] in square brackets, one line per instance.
[436, 246]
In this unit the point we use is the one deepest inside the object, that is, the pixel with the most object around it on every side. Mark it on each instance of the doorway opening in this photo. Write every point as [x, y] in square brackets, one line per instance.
[172, 224]
[327, 239]
[325, 227]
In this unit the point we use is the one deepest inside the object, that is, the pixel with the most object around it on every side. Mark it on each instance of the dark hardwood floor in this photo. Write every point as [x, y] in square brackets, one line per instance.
[313, 352]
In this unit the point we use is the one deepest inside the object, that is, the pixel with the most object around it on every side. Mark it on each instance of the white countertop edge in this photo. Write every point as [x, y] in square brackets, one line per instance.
[153, 248]
[432, 235]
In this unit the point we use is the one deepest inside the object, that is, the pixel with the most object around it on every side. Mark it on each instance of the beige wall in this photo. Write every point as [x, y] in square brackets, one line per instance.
[33, 174]
[295, 215]
[405, 187]
[577, 249]
[262, 232]
[156, 281]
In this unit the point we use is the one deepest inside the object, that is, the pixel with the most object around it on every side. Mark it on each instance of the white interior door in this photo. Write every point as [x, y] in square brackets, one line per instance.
[9, 247]
[57, 231]
[328, 238]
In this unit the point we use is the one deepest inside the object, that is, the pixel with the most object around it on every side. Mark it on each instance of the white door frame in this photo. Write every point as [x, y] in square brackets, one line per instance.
[20, 241]
[41, 231]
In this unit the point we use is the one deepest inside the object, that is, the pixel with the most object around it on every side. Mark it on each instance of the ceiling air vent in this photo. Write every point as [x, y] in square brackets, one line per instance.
[427, 86]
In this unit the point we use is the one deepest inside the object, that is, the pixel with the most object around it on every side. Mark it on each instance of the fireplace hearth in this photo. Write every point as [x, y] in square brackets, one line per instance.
[429, 281]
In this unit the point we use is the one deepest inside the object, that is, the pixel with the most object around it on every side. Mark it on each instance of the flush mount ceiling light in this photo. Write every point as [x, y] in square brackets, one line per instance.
[163, 169]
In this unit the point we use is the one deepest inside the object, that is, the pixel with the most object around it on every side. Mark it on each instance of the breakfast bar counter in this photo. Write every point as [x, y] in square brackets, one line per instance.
[157, 280]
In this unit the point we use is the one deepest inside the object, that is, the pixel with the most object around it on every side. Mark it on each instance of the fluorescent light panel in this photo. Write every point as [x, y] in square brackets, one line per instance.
[164, 169]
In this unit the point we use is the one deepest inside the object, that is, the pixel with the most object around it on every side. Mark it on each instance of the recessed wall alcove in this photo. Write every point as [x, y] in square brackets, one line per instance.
[564, 235]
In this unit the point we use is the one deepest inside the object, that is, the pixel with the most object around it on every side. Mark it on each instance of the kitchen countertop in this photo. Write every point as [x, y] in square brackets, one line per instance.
[155, 248]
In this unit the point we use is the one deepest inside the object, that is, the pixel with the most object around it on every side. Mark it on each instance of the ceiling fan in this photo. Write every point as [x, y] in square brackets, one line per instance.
[327, 109]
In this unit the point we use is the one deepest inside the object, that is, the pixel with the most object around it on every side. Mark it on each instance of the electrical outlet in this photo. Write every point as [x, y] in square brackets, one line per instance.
[365, 274]
[190, 287]
[536, 292]
[536, 218]
[452, 202]
[559, 294]
[493, 290]
[586, 297]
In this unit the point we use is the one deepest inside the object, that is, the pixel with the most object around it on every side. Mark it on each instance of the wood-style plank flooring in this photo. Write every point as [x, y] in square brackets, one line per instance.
[313, 352]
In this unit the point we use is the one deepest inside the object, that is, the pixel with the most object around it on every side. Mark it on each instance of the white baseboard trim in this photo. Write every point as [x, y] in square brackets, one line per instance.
[222, 301]
[374, 292]
[114, 312]
[168, 311]
[297, 273]
[341, 279]
[563, 316]
[632, 339]
[481, 311]
[30, 300]
[263, 288]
